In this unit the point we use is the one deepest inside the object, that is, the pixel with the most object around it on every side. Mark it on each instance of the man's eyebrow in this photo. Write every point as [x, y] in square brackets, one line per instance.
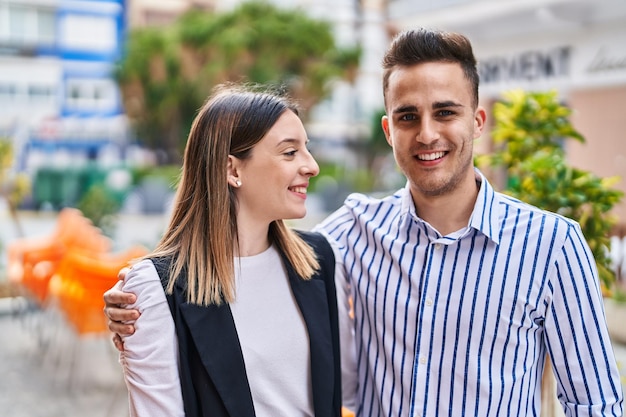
[447, 103]
[405, 109]
[409, 108]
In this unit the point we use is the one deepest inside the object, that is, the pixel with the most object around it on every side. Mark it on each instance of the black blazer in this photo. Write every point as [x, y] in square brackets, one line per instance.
[213, 374]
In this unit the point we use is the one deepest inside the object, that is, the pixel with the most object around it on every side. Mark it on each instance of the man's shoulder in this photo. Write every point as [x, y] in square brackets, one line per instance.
[360, 209]
[546, 215]
[358, 202]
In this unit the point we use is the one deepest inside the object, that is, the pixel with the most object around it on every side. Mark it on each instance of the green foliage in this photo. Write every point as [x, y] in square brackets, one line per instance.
[160, 102]
[529, 130]
[376, 142]
[101, 207]
[358, 180]
[378, 157]
[168, 72]
[168, 173]
[619, 295]
[13, 187]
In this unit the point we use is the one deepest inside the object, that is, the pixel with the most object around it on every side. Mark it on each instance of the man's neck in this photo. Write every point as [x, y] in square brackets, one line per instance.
[450, 212]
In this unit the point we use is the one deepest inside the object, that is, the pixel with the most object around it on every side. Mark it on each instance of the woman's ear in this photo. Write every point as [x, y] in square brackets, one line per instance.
[232, 172]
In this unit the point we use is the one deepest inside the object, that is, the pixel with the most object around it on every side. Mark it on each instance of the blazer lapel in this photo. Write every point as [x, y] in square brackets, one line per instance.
[215, 337]
[311, 298]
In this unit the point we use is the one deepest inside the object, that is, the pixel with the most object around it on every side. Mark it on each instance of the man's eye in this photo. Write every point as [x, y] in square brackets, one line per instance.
[408, 117]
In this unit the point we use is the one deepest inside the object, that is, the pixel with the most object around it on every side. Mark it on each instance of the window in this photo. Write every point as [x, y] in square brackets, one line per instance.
[26, 93]
[46, 26]
[89, 95]
[7, 91]
[26, 25]
[40, 92]
[85, 32]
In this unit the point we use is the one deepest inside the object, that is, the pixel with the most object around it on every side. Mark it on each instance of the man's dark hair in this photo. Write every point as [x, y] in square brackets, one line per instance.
[422, 45]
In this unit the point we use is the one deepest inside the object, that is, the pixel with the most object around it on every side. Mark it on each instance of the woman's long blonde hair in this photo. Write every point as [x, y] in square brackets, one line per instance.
[202, 232]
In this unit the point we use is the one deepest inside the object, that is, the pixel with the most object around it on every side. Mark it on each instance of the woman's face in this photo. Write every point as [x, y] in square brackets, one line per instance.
[274, 179]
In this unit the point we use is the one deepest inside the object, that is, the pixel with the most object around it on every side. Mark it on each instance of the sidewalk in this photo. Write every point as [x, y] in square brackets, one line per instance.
[57, 375]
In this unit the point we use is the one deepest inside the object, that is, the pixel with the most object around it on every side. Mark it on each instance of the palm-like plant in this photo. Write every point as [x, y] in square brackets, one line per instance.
[529, 133]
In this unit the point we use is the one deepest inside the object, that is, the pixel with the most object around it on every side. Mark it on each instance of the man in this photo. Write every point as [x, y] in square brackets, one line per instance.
[460, 292]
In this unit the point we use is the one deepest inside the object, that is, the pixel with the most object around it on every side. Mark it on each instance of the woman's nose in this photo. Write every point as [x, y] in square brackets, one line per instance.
[310, 166]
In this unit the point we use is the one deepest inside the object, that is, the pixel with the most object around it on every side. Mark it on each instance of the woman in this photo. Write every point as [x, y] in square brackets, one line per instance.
[238, 312]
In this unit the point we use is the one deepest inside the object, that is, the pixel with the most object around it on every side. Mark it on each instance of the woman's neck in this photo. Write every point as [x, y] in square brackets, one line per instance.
[253, 238]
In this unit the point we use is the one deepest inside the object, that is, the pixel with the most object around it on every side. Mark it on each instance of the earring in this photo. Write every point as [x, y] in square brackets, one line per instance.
[238, 183]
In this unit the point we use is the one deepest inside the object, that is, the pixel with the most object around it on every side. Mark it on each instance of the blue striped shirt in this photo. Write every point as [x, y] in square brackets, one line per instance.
[460, 325]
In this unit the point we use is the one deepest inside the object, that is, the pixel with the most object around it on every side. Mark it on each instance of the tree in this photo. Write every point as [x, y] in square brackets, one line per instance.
[530, 129]
[13, 187]
[168, 72]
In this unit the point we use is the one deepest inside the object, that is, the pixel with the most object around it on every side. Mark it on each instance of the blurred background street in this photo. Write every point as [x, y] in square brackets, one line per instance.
[48, 370]
[62, 377]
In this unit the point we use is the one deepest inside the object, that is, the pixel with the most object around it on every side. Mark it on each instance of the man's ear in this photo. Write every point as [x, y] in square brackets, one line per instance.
[384, 122]
[480, 117]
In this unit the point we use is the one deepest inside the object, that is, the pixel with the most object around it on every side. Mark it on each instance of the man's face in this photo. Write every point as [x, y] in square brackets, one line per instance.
[431, 124]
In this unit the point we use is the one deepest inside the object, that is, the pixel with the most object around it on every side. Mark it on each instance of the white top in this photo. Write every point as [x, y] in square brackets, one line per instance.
[263, 309]
[273, 337]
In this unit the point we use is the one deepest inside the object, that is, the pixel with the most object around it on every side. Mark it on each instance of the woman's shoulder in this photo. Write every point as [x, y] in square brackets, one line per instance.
[143, 280]
[316, 240]
[323, 250]
[311, 237]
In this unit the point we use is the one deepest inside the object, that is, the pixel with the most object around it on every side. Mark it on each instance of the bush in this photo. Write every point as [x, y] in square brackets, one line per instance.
[530, 128]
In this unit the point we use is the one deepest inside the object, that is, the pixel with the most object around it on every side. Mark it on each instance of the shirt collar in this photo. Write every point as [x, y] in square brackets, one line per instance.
[485, 215]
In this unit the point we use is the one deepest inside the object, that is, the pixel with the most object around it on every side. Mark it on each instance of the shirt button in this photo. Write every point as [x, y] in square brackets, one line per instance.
[429, 301]
[437, 246]
[423, 360]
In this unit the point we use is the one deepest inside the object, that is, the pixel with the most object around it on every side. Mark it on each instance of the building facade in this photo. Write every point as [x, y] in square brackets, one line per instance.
[60, 101]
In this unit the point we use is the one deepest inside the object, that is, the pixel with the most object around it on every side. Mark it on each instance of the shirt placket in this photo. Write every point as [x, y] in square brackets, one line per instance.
[427, 286]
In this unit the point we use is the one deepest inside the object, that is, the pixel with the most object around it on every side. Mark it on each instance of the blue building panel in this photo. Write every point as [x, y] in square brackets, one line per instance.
[90, 30]
[77, 105]
[90, 38]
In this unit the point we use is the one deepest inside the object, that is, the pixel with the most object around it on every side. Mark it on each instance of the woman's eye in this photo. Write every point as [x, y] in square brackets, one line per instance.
[290, 153]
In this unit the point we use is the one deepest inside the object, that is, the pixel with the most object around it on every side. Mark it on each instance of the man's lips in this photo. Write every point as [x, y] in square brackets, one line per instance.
[431, 156]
